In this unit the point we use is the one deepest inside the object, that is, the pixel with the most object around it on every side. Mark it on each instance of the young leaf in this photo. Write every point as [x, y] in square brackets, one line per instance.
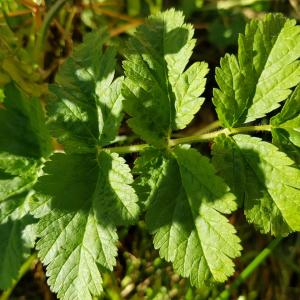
[89, 198]
[263, 179]
[286, 125]
[262, 75]
[185, 215]
[160, 95]
[87, 108]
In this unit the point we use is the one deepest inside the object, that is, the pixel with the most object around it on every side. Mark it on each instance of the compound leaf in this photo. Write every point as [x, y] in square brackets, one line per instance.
[89, 198]
[262, 75]
[185, 215]
[264, 179]
[159, 95]
[89, 193]
[87, 104]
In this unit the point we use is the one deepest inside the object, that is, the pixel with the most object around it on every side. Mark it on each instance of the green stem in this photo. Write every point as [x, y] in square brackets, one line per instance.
[127, 149]
[258, 260]
[211, 135]
[210, 127]
[42, 34]
[206, 129]
[27, 265]
[250, 129]
[192, 139]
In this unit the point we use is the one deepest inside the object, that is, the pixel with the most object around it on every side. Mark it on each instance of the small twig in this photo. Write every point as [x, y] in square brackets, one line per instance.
[125, 27]
[17, 13]
[201, 25]
[127, 290]
[116, 15]
[101, 4]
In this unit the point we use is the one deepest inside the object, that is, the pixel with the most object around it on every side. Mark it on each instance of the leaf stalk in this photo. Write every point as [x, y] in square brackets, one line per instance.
[191, 139]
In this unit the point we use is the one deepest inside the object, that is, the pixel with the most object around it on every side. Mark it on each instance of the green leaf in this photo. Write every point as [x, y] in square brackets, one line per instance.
[185, 215]
[286, 124]
[289, 112]
[223, 32]
[281, 139]
[22, 125]
[160, 95]
[230, 165]
[232, 97]
[189, 86]
[88, 190]
[190, 6]
[89, 198]
[17, 174]
[86, 111]
[17, 238]
[264, 179]
[150, 169]
[262, 75]
[24, 140]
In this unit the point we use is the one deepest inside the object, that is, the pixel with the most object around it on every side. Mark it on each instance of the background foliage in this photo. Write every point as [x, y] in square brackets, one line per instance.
[31, 50]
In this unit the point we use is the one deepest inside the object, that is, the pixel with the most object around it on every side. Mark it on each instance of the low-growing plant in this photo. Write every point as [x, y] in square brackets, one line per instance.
[68, 204]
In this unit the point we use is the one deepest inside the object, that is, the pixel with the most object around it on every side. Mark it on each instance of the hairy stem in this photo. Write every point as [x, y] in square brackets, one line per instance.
[41, 36]
[192, 139]
[258, 260]
[27, 265]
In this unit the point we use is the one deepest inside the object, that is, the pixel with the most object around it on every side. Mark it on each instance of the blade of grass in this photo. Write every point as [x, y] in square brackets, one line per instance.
[255, 263]
[42, 34]
[28, 264]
